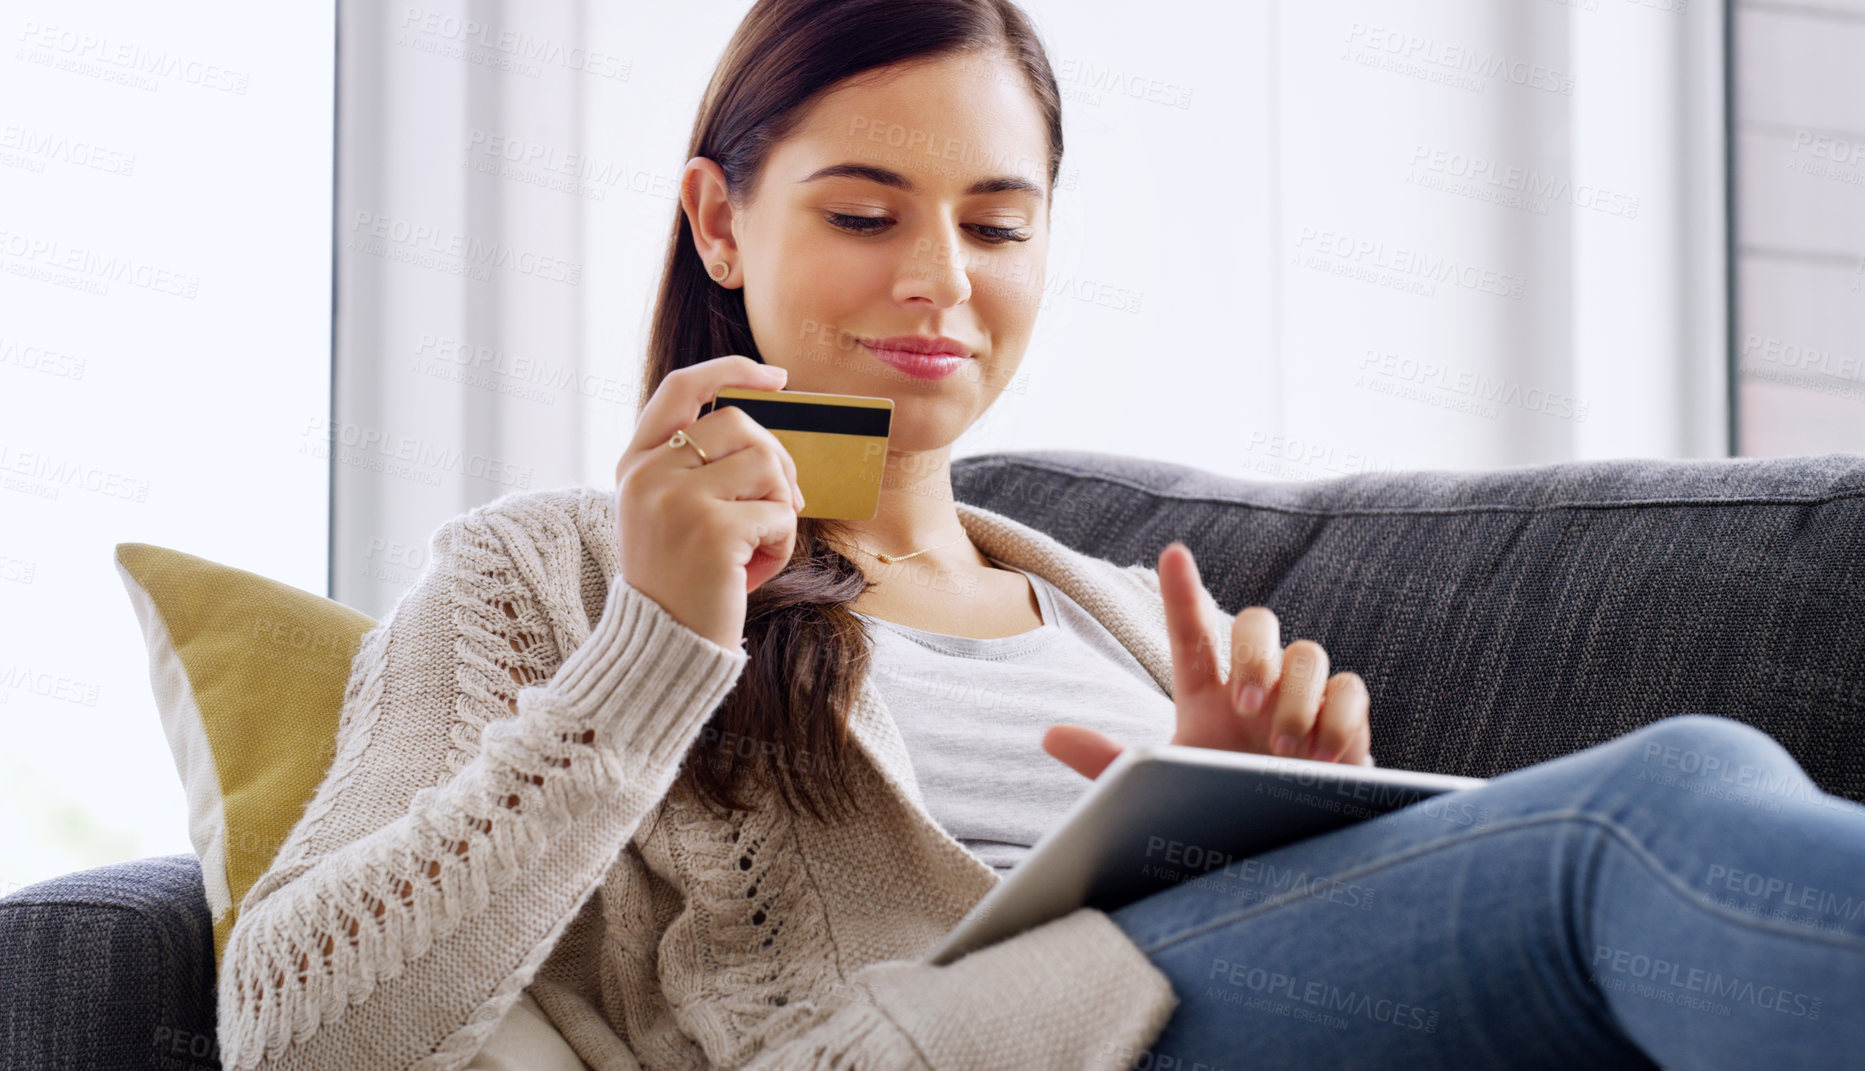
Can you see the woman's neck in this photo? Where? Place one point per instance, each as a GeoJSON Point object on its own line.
{"type": "Point", "coordinates": [916, 513]}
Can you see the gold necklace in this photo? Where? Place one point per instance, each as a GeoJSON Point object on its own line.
{"type": "Point", "coordinates": [892, 558]}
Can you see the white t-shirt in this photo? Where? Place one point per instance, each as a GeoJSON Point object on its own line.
{"type": "Point", "coordinates": [973, 712]}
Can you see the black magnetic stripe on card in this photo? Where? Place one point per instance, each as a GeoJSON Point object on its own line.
{"type": "Point", "coordinates": [812, 416]}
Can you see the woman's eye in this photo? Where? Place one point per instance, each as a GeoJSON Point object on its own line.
{"type": "Point", "coordinates": [1004, 234]}
{"type": "Point", "coordinates": [858, 224]}
{"type": "Point", "coordinates": [873, 224]}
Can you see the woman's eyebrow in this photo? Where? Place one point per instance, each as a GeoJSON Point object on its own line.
{"type": "Point", "coordinates": [998, 184]}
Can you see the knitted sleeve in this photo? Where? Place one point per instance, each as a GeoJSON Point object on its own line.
{"type": "Point", "coordinates": [483, 785]}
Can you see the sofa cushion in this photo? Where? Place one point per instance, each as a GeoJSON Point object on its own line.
{"type": "Point", "coordinates": [249, 677]}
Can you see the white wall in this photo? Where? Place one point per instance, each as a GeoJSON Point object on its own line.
{"type": "Point", "coordinates": [165, 181]}
{"type": "Point", "coordinates": [1388, 236]}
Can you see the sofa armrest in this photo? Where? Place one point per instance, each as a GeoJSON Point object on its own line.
{"type": "Point", "coordinates": [108, 968]}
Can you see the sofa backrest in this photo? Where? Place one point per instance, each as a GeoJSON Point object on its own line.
{"type": "Point", "coordinates": [1505, 617]}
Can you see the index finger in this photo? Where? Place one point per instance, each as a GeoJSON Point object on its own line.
{"type": "Point", "coordinates": [1194, 658]}
{"type": "Point", "coordinates": [676, 401]}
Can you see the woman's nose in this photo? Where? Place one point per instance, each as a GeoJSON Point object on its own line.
{"type": "Point", "coordinates": [936, 269]}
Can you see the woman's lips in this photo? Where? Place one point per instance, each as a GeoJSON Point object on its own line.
{"type": "Point", "coordinates": [919, 365]}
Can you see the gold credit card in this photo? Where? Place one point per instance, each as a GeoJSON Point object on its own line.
{"type": "Point", "coordinates": [838, 441]}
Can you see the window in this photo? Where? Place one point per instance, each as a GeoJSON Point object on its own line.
{"type": "Point", "coordinates": [1798, 156]}
{"type": "Point", "coordinates": [165, 265]}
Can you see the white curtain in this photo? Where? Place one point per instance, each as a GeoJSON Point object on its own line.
{"type": "Point", "coordinates": [1291, 241]}
{"type": "Point", "coordinates": [461, 279]}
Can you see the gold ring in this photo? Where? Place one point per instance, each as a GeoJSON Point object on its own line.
{"type": "Point", "coordinates": [681, 438]}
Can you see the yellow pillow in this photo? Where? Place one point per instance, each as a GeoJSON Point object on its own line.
{"type": "Point", "coordinates": [249, 677]}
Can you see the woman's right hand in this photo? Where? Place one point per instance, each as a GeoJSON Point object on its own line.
{"type": "Point", "coordinates": [699, 537]}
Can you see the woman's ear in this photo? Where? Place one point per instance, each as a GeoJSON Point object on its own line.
{"type": "Point", "coordinates": [709, 212]}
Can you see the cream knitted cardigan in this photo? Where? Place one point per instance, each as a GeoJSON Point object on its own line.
{"type": "Point", "coordinates": [501, 815]}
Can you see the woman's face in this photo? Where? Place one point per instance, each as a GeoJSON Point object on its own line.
{"type": "Point", "coordinates": [829, 260]}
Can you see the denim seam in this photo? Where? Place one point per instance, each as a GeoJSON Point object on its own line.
{"type": "Point", "coordinates": [1613, 828]}
{"type": "Point", "coordinates": [1704, 903]}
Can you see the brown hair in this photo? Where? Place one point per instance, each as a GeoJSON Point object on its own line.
{"type": "Point", "coordinates": [808, 652]}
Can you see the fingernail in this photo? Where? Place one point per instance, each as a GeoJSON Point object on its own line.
{"type": "Point", "coordinates": [799, 500]}
{"type": "Point", "coordinates": [1251, 698]}
{"type": "Point", "coordinates": [1284, 744]}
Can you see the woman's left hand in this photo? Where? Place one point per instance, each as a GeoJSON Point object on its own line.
{"type": "Point", "coordinates": [1276, 701]}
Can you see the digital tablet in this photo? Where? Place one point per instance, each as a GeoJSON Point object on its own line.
{"type": "Point", "coordinates": [1164, 813]}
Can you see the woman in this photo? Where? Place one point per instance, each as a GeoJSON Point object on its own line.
{"type": "Point", "coordinates": [619, 759]}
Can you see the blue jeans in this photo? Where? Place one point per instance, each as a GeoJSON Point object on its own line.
{"type": "Point", "coordinates": [1681, 897]}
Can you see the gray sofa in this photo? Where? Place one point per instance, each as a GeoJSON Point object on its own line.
{"type": "Point", "coordinates": [1499, 618]}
